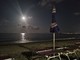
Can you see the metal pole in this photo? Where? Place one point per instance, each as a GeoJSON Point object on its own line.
{"type": "Point", "coordinates": [53, 44]}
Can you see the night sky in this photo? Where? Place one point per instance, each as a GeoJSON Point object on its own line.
{"type": "Point", "coordinates": [67, 16]}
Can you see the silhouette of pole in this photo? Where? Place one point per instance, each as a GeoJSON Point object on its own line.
{"type": "Point", "coordinates": [53, 9]}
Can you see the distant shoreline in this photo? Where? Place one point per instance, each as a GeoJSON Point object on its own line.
{"type": "Point", "coordinates": [73, 41]}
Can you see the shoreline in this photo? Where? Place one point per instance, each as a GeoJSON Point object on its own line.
{"type": "Point", "coordinates": [17, 48]}
{"type": "Point", "coordinates": [43, 44]}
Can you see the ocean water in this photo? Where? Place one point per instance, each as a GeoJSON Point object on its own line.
{"type": "Point", "coordinates": [21, 38]}
{"type": "Point", "coordinates": [33, 37]}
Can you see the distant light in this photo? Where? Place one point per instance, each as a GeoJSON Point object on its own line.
{"type": "Point", "coordinates": [23, 18]}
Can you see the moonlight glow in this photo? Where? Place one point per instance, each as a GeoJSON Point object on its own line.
{"type": "Point", "coordinates": [23, 18]}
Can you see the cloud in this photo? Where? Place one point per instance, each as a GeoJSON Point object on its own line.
{"type": "Point", "coordinates": [76, 13]}
{"type": "Point", "coordinates": [43, 2]}
{"type": "Point", "coordinates": [58, 1]}
{"type": "Point", "coordinates": [47, 2]}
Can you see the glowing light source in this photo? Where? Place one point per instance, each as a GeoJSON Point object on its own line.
{"type": "Point", "coordinates": [23, 18]}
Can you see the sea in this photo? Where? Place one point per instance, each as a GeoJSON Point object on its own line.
{"type": "Point", "coordinates": [34, 37]}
